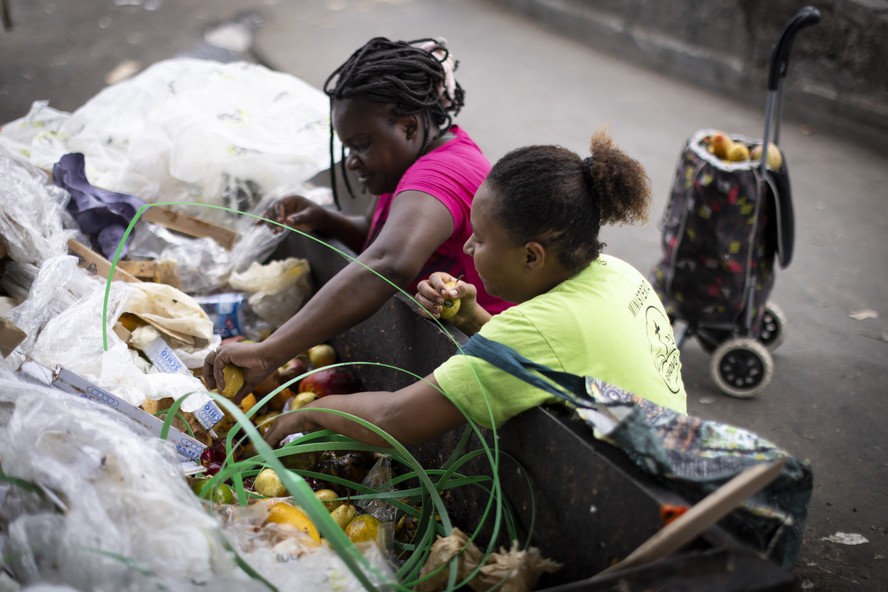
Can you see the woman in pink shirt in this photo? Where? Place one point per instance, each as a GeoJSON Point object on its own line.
{"type": "Point", "coordinates": [392, 104]}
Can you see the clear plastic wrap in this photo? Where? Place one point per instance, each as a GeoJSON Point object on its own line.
{"type": "Point", "coordinates": [127, 519]}
{"type": "Point", "coordinates": [276, 289]}
{"type": "Point", "coordinates": [18, 278]}
{"type": "Point", "coordinates": [190, 130]}
{"type": "Point", "coordinates": [74, 340]}
{"type": "Point", "coordinates": [54, 287]}
{"type": "Point", "coordinates": [117, 514]}
{"type": "Point", "coordinates": [202, 265]}
{"type": "Point", "coordinates": [31, 212]}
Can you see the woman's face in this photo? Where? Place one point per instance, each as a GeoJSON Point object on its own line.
{"type": "Point", "coordinates": [380, 146]}
{"type": "Point", "coordinates": [499, 261]}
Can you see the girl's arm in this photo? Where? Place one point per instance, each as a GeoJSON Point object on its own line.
{"type": "Point", "coordinates": [411, 415]}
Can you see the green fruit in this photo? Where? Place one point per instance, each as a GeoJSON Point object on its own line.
{"type": "Point", "coordinates": [222, 493]}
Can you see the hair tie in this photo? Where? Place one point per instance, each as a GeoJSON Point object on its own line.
{"type": "Point", "coordinates": [592, 188]}
{"type": "Point", "coordinates": [446, 89]}
{"type": "Point", "coordinates": [587, 174]}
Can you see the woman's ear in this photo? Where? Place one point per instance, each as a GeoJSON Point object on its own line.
{"type": "Point", "coordinates": [410, 125]}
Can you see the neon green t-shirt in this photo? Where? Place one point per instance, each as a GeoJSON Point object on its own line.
{"type": "Point", "coordinates": [605, 322]}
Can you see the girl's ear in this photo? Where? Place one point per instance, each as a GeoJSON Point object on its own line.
{"type": "Point", "coordinates": [534, 256]}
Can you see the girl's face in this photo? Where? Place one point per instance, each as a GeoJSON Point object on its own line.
{"type": "Point", "coordinates": [500, 263]}
{"type": "Point", "coordinates": [380, 147]}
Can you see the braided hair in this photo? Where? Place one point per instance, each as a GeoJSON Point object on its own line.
{"type": "Point", "coordinates": [411, 78]}
{"type": "Point", "coordinates": [550, 195]}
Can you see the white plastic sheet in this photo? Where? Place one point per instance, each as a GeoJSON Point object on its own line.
{"type": "Point", "coordinates": [189, 130]}
{"type": "Point", "coordinates": [116, 513]}
{"type": "Point", "coordinates": [31, 212]}
{"type": "Point", "coordinates": [277, 289]}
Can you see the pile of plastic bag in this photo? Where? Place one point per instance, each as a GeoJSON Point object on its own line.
{"type": "Point", "coordinates": [91, 501]}
{"type": "Point", "coordinates": [189, 130]}
{"type": "Point", "coordinates": [89, 498]}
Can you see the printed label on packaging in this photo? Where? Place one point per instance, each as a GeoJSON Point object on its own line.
{"type": "Point", "coordinates": [186, 446]}
{"type": "Point", "coordinates": [208, 415]}
{"type": "Point", "coordinates": [165, 359]}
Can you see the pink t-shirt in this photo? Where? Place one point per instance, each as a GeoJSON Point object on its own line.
{"type": "Point", "coordinates": [451, 173]}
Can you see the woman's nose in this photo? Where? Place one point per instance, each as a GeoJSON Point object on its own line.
{"type": "Point", "coordinates": [351, 161]}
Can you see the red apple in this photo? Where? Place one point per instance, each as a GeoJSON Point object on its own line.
{"type": "Point", "coordinates": [330, 381]}
{"type": "Point", "coordinates": [292, 369]}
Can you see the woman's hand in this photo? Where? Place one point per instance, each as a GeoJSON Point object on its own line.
{"type": "Point", "coordinates": [297, 212]}
{"type": "Point", "coordinates": [247, 356]}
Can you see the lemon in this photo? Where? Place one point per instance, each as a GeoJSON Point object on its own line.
{"type": "Point", "coordinates": [364, 527]}
{"type": "Point", "coordinates": [284, 513]}
{"type": "Point", "coordinates": [322, 355]}
{"type": "Point", "coordinates": [329, 497]}
{"type": "Point", "coordinates": [451, 305]}
{"type": "Point", "coordinates": [269, 484]}
{"type": "Point", "coordinates": [738, 153]}
{"type": "Point", "coordinates": [343, 515]}
{"type": "Point", "coordinates": [234, 380]}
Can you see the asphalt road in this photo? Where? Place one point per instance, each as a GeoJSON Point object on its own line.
{"type": "Point", "coordinates": [526, 84]}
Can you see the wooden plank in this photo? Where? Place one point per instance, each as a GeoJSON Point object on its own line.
{"type": "Point", "coordinates": [143, 270]}
{"type": "Point", "coordinates": [95, 264]}
{"type": "Point", "coordinates": [190, 225]}
{"type": "Point", "coordinates": [701, 516]}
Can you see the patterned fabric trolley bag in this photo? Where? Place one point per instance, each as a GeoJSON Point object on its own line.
{"type": "Point", "coordinates": [720, 234]}
{"type": "Point", "coordinates": [728, 217]}
{"type": "Point", "coordinates": [690, 455]}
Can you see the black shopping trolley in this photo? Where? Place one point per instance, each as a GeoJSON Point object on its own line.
{"type": "Point", "coordinates": [728, 220]}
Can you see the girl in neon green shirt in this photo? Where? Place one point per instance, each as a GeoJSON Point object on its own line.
{"type": "Point", "coordinates": [535, 223]}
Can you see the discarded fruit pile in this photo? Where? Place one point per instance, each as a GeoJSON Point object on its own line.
{"type": "Point", "coordinates": [358, 488]}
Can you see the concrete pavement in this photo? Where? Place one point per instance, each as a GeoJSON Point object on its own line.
{"type": "Point", "coordinates": [525, 84]}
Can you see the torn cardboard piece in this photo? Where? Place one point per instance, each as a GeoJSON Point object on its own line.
{"type": "Point", "coordinates": [187, 447]}
{"type": "Point", "coordinates": [10, 337]}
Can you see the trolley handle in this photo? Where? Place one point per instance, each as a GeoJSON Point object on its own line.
{"type": "Point", "coordinates": [805, 17]}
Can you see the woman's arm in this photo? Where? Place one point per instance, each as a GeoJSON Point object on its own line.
{"type": "Point", "coordinates": [303, 214]}
{"type": "Point", "coordinates": [417, 224]}
{"type": "Point", "coordinates": [411, 415]}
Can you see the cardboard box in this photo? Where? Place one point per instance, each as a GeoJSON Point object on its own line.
{"type": "Point", "coordinates": [189, 449]}
{"type": "Point", "coordinates": [10, 337]}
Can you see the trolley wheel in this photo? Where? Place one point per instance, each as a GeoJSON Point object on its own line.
{"type": "Point", "coordinates": [741, 367]}
{"type": "Point", "coordinates": [773, 331]}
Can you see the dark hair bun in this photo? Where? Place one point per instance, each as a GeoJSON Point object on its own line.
{"type": "Point", "coordinates": [620, 184]}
